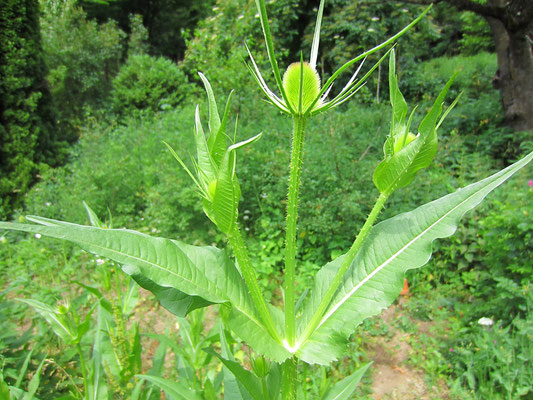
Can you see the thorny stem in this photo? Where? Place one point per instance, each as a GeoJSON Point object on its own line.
{"type": "Point", "coordinates": [299, 123]}
{"type": "Point", "coordinates": [241, 254]}
{"type": "Point", "coordinates": [348, 259]}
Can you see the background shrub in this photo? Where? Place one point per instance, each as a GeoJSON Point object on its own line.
{"type": "Point", "coordinates": [148, 83]}
{"type": "Point", "coordinates": [82, 56]}
{"type": "Point", "coordinates": [28, 133]}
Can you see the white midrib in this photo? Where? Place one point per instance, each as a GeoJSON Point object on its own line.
{"type": "Point", "coordinates": [389, 260]}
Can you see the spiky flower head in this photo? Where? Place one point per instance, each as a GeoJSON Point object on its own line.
{"type": "Point", "coordinates": [301, 80]}
{"type": "Point", "coordinates": [314, 97]}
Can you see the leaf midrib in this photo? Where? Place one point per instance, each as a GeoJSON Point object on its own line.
{"type": "Point", "coordinates": [388, 261]}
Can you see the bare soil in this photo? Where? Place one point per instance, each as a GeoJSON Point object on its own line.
{"type": "Point", "coordinates": [393, 378]}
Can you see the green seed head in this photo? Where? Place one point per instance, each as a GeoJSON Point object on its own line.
{"type": "Point", "coordinates": [401, 141]}
{"type": "Point", "coordinates": [310, 87]}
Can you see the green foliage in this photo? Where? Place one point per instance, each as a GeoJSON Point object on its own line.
{"type": "Point", "coordinates": [476, 34]}
{"type": "Point", "coordinates": [138, 37]}
{"type": "Point", "coordinates": [148, 83]}
{"type": "Point", "coordinates": [495, 233]}
{"type": "Point", "coordinates": [167, 21]}
{"type": "Point", "coordinates": [490, 362]}
{"type": "Point", "coordinates": [82, 56]}
{"type": "Point", "coordinates": [28, 133]}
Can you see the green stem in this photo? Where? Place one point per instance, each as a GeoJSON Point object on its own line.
{"type": "Point", "coordinates": [241, 254]}
{"type": "Point", "coordinates": [83, 369]}
{"type": "Point", "coordinates": [348, 259]}
{"type": "Point", "coordinates": [292, 217]}
{"type": "Point", "coordinates": [288, 376]}
{"type": "Point", "coordinates": [264, 387]}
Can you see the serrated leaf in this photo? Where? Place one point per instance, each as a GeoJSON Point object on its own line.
{"type": "Point", "coordinates": [205, 272]}
{"type": "Point", "coordinates": [375, 277]}
{"type": "Point", "coordinates": [199, 271]}
{"type": "Point", "coordinates": [343, 390]}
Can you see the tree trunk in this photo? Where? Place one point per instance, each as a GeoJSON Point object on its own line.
{"type": "Point", "coordinates": [514, 78]}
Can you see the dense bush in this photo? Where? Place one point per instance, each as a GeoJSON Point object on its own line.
{"type": "Point", "coordinates": [28, 135]}
{"type": "Point", "coordinates": [82, 56]}
{"type": "Point", "coordinates": [148, 83]}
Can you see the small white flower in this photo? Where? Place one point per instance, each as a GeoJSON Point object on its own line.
{"type": "Point", "coordinates": [246, 217]}
{"type": "Point", "coordinates": [240, 16]}
{"type": "Point", "coordinates": [375, 18]}
{"type": "Point", "coordinates": [3, 239]}
{"type": "Point", "coordinates": [99, 261]}
{"type": "Point", "coordinates": [371, 30]}
{"type": "Point", "coordinates": [485, 321]}
{"type": "Point", "coordinates": [47, 204]}
{"type": "Point", "coordinates": [37, 236]}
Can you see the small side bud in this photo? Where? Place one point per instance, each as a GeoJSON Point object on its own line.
{"type": "Point", "coordinates": [310, 86]}
{"type": "Point", "coordinates": [403, 140]}
{"type": "Point", "coordinates": [260, 366]}
{"type": "Point", "coordinates": [212, 188]}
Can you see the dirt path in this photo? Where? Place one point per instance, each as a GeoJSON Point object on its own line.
{"type": "Point", "coordinates": [393, 378]}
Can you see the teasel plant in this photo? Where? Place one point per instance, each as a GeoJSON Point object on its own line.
{"type": "Point", "coordinates": [354, 286]}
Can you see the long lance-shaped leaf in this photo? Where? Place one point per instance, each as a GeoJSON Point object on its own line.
{"type": "Point", "coordinates": [217, 142]}
{"type": "Point", "coordinates": [206, 167]}
{"type": "Point", "coordinates": [214, 118]}
{"type": "Point", "coordinates": [375, 276]}
{"type": "Point", "coordinates": [399, 105]}
{"type": "Point", "coordinates": [343, 390]}
{"type": "Point", "coordinates": [316, 36]}
{"type": "Point", "coordinates": [233, 389]}
{"type": "Point", "coordinates": [246, 378]}
{"type": "Point", "coordinates": [206, 272]}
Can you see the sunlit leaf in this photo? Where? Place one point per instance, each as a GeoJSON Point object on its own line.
{"type": "Point", "coordinates": [375, 277]}
{"type": "Point", "coordinates": [343, 390]}
{"type": "Point", "coordinates": [245, 377]}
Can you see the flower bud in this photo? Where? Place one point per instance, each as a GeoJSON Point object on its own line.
{"type": "Point", "coordinates": [310, 86]}
{"type": "Point", "coordinates": [260, 366]}
{"type": "Point", "coordinates": [403, 140]}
